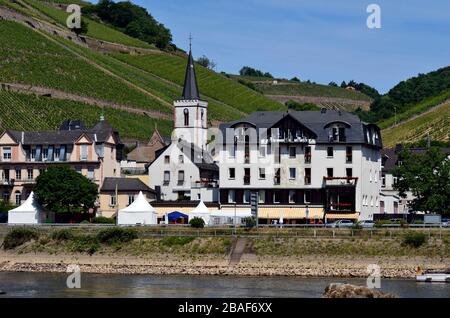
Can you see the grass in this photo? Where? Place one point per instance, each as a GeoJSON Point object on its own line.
{"type": "Point", "coordinates": [437, 122]}
{"type": "Point", "coordinates": [211, 84]}
{"type": "Point", "coordinates": [27, 57]}
{"type": "Point", "coordinates": [95, 29]}
{"type": "Point", "coordinates": [31, 112]}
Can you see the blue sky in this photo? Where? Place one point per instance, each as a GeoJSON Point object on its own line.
{"type": "Point", "coordinates": [318, 40]}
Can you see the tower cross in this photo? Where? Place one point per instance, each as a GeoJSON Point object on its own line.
{"type": "Point", "coordinates": [190, 41]}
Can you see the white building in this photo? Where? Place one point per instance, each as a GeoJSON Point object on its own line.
{"type": "Point", "coordinates": [184, 170]}
{"type": "Point", "coordinates": [309, 164]}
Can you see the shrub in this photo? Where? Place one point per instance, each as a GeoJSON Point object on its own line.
{"type": "Point", "coordinates": [85, 222]}
{"type": "Point", "coordinates": [250, 222]}
{"type": "Point", "coordinates": [85, 244]}
{"type": "Point", "coordinates": [103, 220]}
{"type": "Point", "coordinates": [197, 223]}
{"type": "Point", "coordinates": [414, 239]}
{"type": "Point", "coordinates": [177, 240]}
{"type": "Point", "coordinates": [62, 235]}
{"type": "Point", "coordinates": [116, 235]}
{"type": "Point", "coordinates": [19, 236]}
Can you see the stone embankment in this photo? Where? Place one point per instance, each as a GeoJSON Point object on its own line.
{"type": "Point", "coordinates": [351, 291]}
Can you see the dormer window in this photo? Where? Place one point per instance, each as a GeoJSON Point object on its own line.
{"type": "Point", "coordinates": [186, 117]}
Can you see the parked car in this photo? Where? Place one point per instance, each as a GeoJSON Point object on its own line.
{"type": "Point", "coordinates": [366, 224]}
{"type": "Point", "coordinates": [341, 224]}
{"type": "Point", "coordinates": [445, 222]}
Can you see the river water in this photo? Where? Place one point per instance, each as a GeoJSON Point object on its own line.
{"type": "Point", "coordinates": [107, 285]}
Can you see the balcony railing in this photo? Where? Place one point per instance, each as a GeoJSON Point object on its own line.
{"type": "Point", "coordinates": [340, 181]}
{"type": "Point", "coordinates": [340, 206]}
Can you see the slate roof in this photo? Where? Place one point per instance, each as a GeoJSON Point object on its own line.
{"type": "Point", "coordinates": [99, 133]}
{"type": "Point", "coordinates": [390, 156]}
{"type": "Point", "coordinates": [315, 121]}
{"type": "Point", "coordinates": [190, 87]}
{"type": "Point", "coordinates": [124, 185]}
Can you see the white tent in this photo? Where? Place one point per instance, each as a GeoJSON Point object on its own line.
{"type": "Point", "coordinates": [30, 212]}
{"type": "Point", "coordinates": [201, 211]}
{"type": "Point", "coordinates": [139, 212]}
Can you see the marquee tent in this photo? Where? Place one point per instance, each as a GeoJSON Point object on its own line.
{"type": "Point", "coordinates": [139, 212]}
{"type": "Point", "coordinates": [201, 211]}
{"type": "Point", "coordinates": [30, 212]}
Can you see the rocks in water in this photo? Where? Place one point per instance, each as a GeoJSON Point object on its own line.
{"type": "Point", "coordinates": [337, 290]}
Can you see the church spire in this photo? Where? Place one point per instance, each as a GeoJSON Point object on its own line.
{"type": "Point", "coordinates": [190, 88]}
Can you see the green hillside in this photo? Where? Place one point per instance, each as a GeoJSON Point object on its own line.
{"type": "Point", "coordinates": [435, 121]}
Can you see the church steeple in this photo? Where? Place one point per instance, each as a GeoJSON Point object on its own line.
{"type": "Point", "coordinates": [190, 88]}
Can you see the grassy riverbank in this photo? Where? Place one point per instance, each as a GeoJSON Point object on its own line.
{"type": "Point", "coordinates": [130, 252]}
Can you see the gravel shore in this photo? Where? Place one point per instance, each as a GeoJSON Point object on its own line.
{"type": "Point", "coordinates": [250, 265]}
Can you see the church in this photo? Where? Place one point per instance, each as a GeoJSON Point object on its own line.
{"type": "Point", "coordinates": [184, 170]}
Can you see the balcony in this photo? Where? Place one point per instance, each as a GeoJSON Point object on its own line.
{"type": "Point", "coordinates": [340, 181]}
{"type": "Point", "coordinates": [7, 182]}
{"type": "Point", "coordinates": [340, 207]}
{"type": "Point", "coordinates": [204, 183]}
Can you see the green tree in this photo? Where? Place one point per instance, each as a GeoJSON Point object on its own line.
{"type": "Point", "coordinates": [62, 189]}
{"type": "Point", "coordinates": [206, 62]}
{"type": "Point", "coordinates": [427, 176]}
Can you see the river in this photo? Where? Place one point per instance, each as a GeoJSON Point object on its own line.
{"type": "Point", "coordinates": [107, 285]}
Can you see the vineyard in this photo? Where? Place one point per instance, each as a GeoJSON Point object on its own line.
{"type": "Point", "coordinates": [436, 122]}
{"type": "Point", "coordinates": [213, 85]}
{"type": "Point", "coordinates": [29, 58]}
{"type": "Point", "coordinates": [30, 112]}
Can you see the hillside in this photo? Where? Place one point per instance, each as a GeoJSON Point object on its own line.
{"type": "Point", "coordinates": [435, 121]}
{"type": "Point", "coordinates": [305, 92]}
{"type": "Point", "coordinates": [104, 69]}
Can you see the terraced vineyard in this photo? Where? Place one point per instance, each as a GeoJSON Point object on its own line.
{"type": "Point", "coordinates": [436, 122]}
{"type": "Point", "coordinates": [29, 112]}
{"type": "Point", "coordinates": [27, 57]}
{"type": "Point", "coordinates": [172, 68]}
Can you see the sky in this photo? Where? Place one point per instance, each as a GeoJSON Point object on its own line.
{"type": "Point", "coordinates": [318, 40]}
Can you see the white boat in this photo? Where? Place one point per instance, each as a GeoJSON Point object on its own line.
{"type": "Point", "coordinates": [435, 276]}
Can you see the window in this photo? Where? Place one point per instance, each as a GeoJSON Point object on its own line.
{"type": "Point", "coordinates": [375, 176]}
{"type": "Point", "coordinates": [166, 159]}
{"type": "Point", "coordinates": [262, 196]}
{"type": "Point", "coordinates": [370, 175]}
{"type": "Point", "coordinates": [202, 115]}
{"type": "Point", "coordinates": [292, 173]}
{"type": "Point", "coordinates": [262, 151]}
{"type": "Point", "coordinates": [277, 177]}
{"type": "Point", "coordinates": [166, 177]}
{"type": "Point", "coordinates": [231, 196]}
{"type": "Point", "coordinates": [292, 152]}
{"type": "Point", "coordinates": [6, 196]}
{"type": "Point", "coordinates": [262, 173]}
{"type": "Point", "coordinates": [78, 169]}
{"type": "Point", "coordinates": [394, 180]}
{"type": "Point", "coordinates": [112, 200]}
{"type": "Point", "coordinates": [181, 159]}
{"type": "Point", "coordinates": [5, 175]}
{"type": "Point", "coordinates": [307, 175]}
{"type": "Point", "coordinates": [307, 196]}
{"type": "Point", "coordinates": [246, 196]}
{"type": "Point", "coordinates": [349, 172]}
{"type": "Point", "coordinates": [246, 175]}
{"type": "Point", "coordinates": [186, 117]}
{"type": "Point", "coordinates": [231, 173]}
{"type": "Point", "coordinates": [18, 174]}
{"type": "Point", "coordinates": [291, 196]}
{"type": "Point", "coordinates": [7, 153]}
{"type": "Point", "coordinates": [84, 152]}
{"type": "Point", "coordinates": [383, 180]}
{"type": "Point", "coordinates": [371, 200]}
{"type": "Point", "coordinates": [30, 174]}
{"type": "Point", "coordinates": [44, 154]}
{"type": "Point", "coordinates": [90, 174]}
{"type": "Point", "coordinates": [233, 149]}
{"type": "Point", "coordinates": [277, 196]}
{"type": "Point", "coordinates": [330, 152]}
{"type": "Point", "coordinates": [181, 177]}
{"type": "Point", "coordinates": [330, 172]}
{"type": "Point", "coordinates": [33, 154]}
{"type": "Point", "coordinates": [308, 154]}
{"type": "Point", "coordinates": [130, 199]}
{"type": "Point", "coordinates": [18, 198]}
{"type": "Point", "coordinates": [376, 201]}
{"type": "Point", "coordinates": [341, 134]}
{"type": "Point", "coordinates": [349, 154]}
